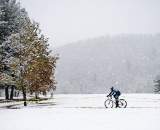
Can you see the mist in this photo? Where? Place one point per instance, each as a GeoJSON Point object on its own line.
{"type": "Point", "coordinates": [66, 21]}
{"type": "Point", "coordinates": [91, 32]}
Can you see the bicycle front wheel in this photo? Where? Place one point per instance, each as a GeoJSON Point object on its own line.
{"type": "Point", "coordinates": [122, 103]}
{"type": "Point", "coordinates": [108, 103]}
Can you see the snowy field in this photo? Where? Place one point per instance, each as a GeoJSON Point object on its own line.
{"type": "Point", "coordinates": [84, 112]}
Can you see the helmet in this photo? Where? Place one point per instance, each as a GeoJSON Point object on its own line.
{"type": "Point", "coordinates": [112, 88]}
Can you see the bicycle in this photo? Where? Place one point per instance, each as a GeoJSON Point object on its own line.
{"type": "Point", "coordinates": [111, 103]}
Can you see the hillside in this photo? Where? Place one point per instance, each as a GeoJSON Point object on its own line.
{"type": "Point", "coordinates": [93, 65]}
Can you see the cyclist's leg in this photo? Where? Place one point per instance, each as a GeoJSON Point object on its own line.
{"type": "Point", "coordinates": [117, 101]}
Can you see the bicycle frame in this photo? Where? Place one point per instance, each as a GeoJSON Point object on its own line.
{"type": "Point", "coordinates": [111, 98]}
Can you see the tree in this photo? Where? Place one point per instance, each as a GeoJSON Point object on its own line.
{"type": "Point", "coordinates": [30, 59]}
{"type": "Point", "coordinates": [157, 86]}
{"type": "Point", "coordinates": [11, 19]}
{"type": "Point", "coordinates": [40, 75]}
{"type": "Point", "coordinates": [21, 46]}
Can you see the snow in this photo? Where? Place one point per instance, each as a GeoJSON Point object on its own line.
{"type": "Point", "coordinates": [85, 112]}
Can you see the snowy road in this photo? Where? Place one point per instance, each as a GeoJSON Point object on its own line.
{"type": "Point", "coordinates": [85, 112]}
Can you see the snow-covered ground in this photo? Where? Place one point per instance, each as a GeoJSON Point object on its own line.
{"type": "Point", "coordinates": [84, 112]}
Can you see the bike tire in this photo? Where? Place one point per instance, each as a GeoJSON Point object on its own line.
{"type": "Point", "coordinates": [108, 103]}
{"type": "Point", "coordinates": [122, 103]}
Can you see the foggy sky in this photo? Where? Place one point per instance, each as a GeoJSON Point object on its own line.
{"type": "Point", "coordinates": [65, 21]}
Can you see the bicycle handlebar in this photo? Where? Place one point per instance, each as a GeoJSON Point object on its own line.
{"type": "Point", "coordinates": [109, 96]}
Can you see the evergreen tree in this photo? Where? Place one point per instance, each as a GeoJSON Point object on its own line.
{"type": "Point", "coordinates": [11, 20]}
{"type": "Point", "coordinates": [157, 86]}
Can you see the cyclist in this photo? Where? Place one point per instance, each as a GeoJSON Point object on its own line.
{"type": "Point", "coordinates": [115, 93]}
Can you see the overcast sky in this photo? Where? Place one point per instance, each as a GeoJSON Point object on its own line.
{"type": "Point", "coordinates": [65, 21]}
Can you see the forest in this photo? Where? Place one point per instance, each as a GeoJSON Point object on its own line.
{"type": "Point", "coordinates": [130, 62]}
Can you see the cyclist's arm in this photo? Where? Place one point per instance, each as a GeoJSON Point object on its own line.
{"type": "Point", "coordinates": [110, 94]}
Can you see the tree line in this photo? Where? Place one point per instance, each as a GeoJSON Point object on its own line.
{"type": "Point", "coordinates": [26, 63]}
{"type": "Point", "coordinates": [96, 64]}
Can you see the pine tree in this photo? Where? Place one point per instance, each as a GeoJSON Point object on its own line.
{"type": "Point", "coordinates": [11, 20]}
{"type": "Point", "coordinates": [157, 86]}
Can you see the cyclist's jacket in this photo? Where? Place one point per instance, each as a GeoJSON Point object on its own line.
{"type": "Point", "coordinates": [115, 93]}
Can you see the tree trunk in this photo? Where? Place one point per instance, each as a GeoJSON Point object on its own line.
{"type": "Point", "coordinates": [7, 92]}
{"type": "Point", "coordinates": [36, 95]}
{"type": "Point", "coordinates": [24, 96]}
{"type": "Point", "coordinates": [12, 92]}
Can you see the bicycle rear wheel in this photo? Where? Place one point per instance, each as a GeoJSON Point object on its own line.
{"type": "Point", "coordinates": [122, 103]}
{"type": "Point", "coordinates": [108, 103]}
